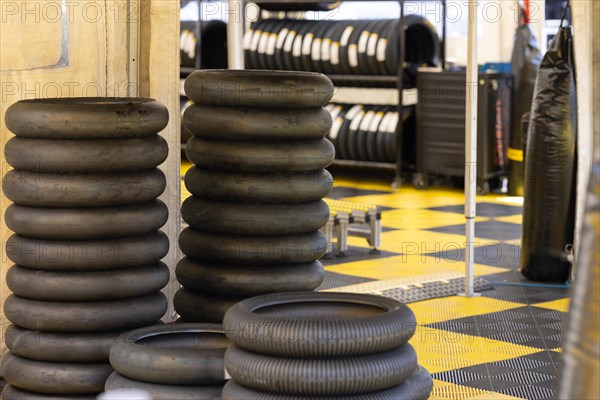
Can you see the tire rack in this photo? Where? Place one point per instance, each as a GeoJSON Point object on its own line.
{"type": "Point", "coordinates": [397, 81]}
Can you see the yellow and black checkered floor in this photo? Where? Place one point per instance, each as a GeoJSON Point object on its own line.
{"type": "Point", "coordinates": [502, 345]}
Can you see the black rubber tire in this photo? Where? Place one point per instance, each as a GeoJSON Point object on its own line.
{"type": "Point", "coordinates": [87, 255]}
{"type": "Point", "coordinates": [325, 324]}
{"type": "Point", "coordinates": [245, 123]}
{"type": "Point", "coordinates": [259, 188]}
{"type": "Point", "coordinates": [60, 347]}
{"type": "Point", "coordinates": [86, 223]}
{"type": "Point", "coordinates": [256, 88]}
{"type": "Point", "coordinates": [83, 190]}
{"type": "Point", "coordinates": [98, 316]}
{"type": "Point", "coordinates": [254, 219]}
{"type": "Point", "coordinates": [55, 378]}
{"type": "Point", "coordinates": [87, 286]}
{"type": "Point", "coordinates": [248, 281]}
{"type": "Point", "coordinates": [86, 156]}
{"type": "Point", "coordinates": [165, 392]}
{"type": "Point", "coordinates": [261, 157]}
{"type": "Point", "coordinates": [12, 393]}
{"type": "Point", "coordinates": [86, 118]}
{"type": "Point", "coordinates": [321, 377]}
{"type": "Point", "coordinates": [176, 354]}
{"type": "Point", "coordinates": [417, 387]}
{"type": "Point", "coordinates": [372, 136]}
{"type": "Point", "coordinates": [252, 250]}
{"type": "Point", "coordinates": [200, 307]}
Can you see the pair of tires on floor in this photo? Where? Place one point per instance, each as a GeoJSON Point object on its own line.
{"type": "Point", "coordinates": [256, 210]}
{"type": "Point", "coordinates": [322, 345]}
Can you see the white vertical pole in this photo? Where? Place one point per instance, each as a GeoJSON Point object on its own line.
{"type": "Point", "coordinates": [235, 34]}
{"type": "Point", "coordinates": [471, 147]}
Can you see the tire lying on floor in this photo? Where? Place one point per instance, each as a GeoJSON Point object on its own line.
{"type": "Point", "coordinates": [55, 378]}
{"type": "Point", "coordinates": [371, 324]}
{"type": "Point", "coordinates": [248, 280]}
{"type": "Point", "coordinates": [417, 387]}
{"type": "Point", "coordinates": [173, 354]}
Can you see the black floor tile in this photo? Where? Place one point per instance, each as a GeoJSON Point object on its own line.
{"type": "Point", "coordinates": [484, 209]}
{"type": "Point", "coordinates": [501, 255]}
{"type": "Point", "coordinates": [521, 294]}
{"type": "Point", "coordinates": [494, 230]}
{"type": "Point", "coordinates": [335, 280]}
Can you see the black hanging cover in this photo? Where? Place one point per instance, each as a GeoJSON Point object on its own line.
{"type": "Point", "coordinates": [526, 59]}
{"type": "Point", "coordinates": [549, 205]}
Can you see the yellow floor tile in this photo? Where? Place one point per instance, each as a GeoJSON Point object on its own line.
{"type": "Point", "coordinates": [409, 198]}
{"type": "Point", "coordinates": [450, 391]}
{"type": "Point", "coordinates": [422, 219]}
{"type": "Point", "coordinates": [513, 219]}
{"type": "Point", "coordinates": [404, 266]}
{"type": "Point", "coordinates": [447, 308]}
{"type": "Point", "coordinates": [362, 184]}
{"type": "Point", "coordinates": [440, 350]}
{"type": "Point", "coordinates": [415, 241]}
{"type": "Point", "coordinates": [557, 305]}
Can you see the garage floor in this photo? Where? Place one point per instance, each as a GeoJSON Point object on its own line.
{"type": "Point", "coordinates": [505, 344]}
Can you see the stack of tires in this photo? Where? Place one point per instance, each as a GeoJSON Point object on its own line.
{"type": "Point", "coordinates": [254, 216]}
{"type": "Point", "coordinates": [322, 345]}
{"type": "Point", "coordinates": [86, 246]}
{"type": "Point", "coordinates": [369, 133]}
{"type": "Point", "coordinates": [171, 362]}
{"type": "Point", "coordinates": [354, 47]}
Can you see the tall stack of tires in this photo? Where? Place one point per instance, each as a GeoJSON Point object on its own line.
{"type": "Point", "coordinates": [259, 156]}
{"type": "Point", "coordinates": [86, 247]}
{"type": "Point", "coordinates": [369, 133]}
{"type": "Point", "coordinates": [171, 362]}
{"type": "Point", "coordinates": [354, 47]}
{"type": "Point", "coordinates": [322, 345]}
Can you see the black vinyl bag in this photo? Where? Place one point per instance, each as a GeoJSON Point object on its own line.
{"type": "Point", "coordinates": [526, 59]}
{"type": "Point", "coordinates": [550, 166]}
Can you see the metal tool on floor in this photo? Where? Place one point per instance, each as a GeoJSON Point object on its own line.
{"type": "Point", "coordinates": [352, 219]}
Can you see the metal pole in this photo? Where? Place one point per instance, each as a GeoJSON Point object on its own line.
{"type": "Point", "coordinates": [235, 33]}
{"type": "Point", "coordinates": [471, 148]}
{"type": "Point", "coordinates": [400, 85]}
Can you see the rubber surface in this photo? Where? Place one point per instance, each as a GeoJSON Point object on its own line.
{"type": "Point", "coordinates": [248, 123]}
{"type": "Point", "coordinates": [165, 392]}
{"type": "Point", "coordinates": [254, 219]}
{"type": "Point", "coordinates": [217, 279]}
{"type": "Point", "coordinates": [321, 377]}
{"type": "Point", "coordinates": [199, 307]}
{"type": "Point", "coordinates": [86, 223]}
{"type": "Point", "coordinates": [324, 324]}
{"type": "Point", "coordinates": [12, 393]}
{"type": "Point", "coordinates": [87, 286]}
{"type": "Point", "coordinates": [86, 156]}
{"type": "Point", "coordinates": [173, 354]}
{"type": "Point", "coordinates": [87, 255]}
{"type": "Point", "coordinates": [98, 316]}
{"type": "Point", "coordinates": [60, 347]}
{"type": "Point", "coordinates": [83, 190]}
{"type": "Point", "coordinates": [261, 157]}
{"type": "Point", "coordinates": [256, 88]}
{"type": "Point", "coordinates": [55, 378]}
{"type": "Point", "coordinates": [86, 118]}
{"type": "Point", "coordinates": [417, 387]}
{"type": "Point", "coordinates": [259, 188]}
{"type": "Point", "coordinates": [252, 250]}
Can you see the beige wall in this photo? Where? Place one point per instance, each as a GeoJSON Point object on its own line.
{"type": "Point", "coordinates": [93, 49]}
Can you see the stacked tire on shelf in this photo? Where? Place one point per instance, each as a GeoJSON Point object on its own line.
{"type": "Point", "coordinates": [86, 246]}
{"type": "Point", "coordinates": [369, 133]}
{"type": "Point", "coordinates": [293, 346]}
{"type": "Point", "coordinates": [174, 361]}
{"type": "Point", "coordinates": [354, 47]}
{"type": "Point", "coordinates": [254, 216]}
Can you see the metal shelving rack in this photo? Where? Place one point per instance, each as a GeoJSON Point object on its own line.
{"type": "Point", "coordinates": [341, 81]}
